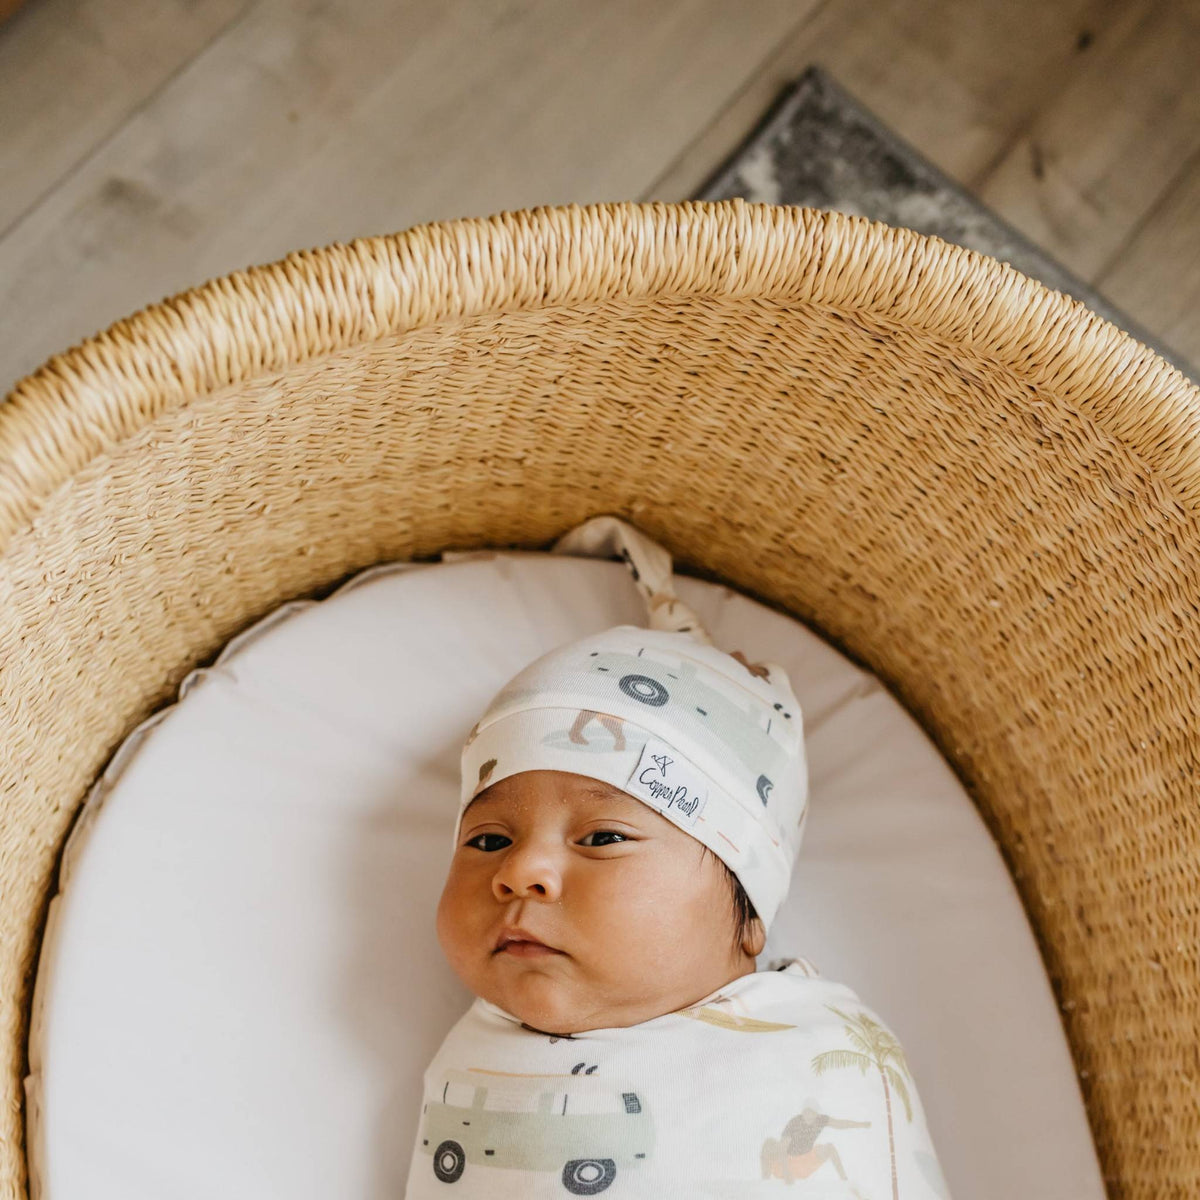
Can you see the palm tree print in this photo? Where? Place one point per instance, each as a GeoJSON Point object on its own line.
{"type": "Point", "coordinates": [875, 1047]}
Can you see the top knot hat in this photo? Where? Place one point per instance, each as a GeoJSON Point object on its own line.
{"type": "Point", "coordinates": [711, 741]}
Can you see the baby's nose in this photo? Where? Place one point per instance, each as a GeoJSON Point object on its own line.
{"type": "Point", "coordinates": [527, 872]}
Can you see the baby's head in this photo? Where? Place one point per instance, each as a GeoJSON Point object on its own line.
{"type": "Point", "coordinates": [633, 801]}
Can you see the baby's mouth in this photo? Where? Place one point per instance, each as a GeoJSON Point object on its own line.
{"type": "Point", "coordinates": [526, 949]}
{"type": "Point", "coordinates": [522, 945]}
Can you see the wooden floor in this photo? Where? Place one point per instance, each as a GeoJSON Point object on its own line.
{"type": "Point", "coordinates": [148, 145]}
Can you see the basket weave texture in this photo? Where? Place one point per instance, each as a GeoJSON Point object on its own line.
{"type": "Point", "coordinates": [972, 485]}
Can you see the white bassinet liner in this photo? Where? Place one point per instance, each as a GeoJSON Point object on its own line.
{"type": "Point", "coordinates": [240, 984]}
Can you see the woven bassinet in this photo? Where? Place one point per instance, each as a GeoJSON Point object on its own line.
{"type": "Point", "coordinates": [971, 484]}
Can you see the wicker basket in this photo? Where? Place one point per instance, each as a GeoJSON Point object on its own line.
{"type": "Point", "coordinates": [971, 484]}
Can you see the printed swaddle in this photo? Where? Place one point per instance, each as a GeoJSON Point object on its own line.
{"type": "Point", "coordinates": [778, 1083]}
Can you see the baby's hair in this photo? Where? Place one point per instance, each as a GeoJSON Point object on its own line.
{"type": "Point", "coordinates": [743, 910]}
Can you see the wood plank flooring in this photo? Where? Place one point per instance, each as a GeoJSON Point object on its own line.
{"type": "Point", "coordinates": [148, 145]}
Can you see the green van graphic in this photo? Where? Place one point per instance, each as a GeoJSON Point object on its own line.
{"type": "Point", "coordinates": [584, 1127]}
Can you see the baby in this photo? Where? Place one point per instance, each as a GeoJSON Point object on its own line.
{"type": "Point", "coordinates": [632, 805]}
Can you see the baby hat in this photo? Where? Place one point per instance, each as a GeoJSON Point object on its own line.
{"type": "Point", "coordinates": [712, 742]}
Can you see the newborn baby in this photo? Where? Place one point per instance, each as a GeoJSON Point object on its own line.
{"type": "Point", "coordinates": [631, 808]}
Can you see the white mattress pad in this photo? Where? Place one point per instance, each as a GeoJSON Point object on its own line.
{"type": "Point", "coordinates": [241, 986]}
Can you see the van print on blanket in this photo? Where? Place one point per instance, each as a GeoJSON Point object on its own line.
{"type": "Point", "coordinates": [582, 1128]}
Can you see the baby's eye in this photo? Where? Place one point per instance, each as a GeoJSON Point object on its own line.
{"type": "Point", "coordinates": [487, 849]}
{"type": "Point", "coordinates": [604, 833]}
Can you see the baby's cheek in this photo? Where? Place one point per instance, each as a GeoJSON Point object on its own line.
{"type": "Point", "coordinates": [695, 919]}
{"type": "Point", "coordinates": [453, 923]}
{"type": "Point", "coordinates": [643, 923]}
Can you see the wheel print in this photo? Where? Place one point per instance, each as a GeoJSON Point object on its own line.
{"type": "Point", "coordinates": [587, 1176]}
{"type": "Point", "coordinates": [449, 1161]}
{"type": "Point", "coordinates": [643, 688]}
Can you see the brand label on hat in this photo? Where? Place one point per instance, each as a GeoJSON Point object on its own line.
{"type": "Point", "coordinates": [668, 782]}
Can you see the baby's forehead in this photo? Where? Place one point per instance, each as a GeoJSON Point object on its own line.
{"type": "Point", "coordinates": [584, 791]}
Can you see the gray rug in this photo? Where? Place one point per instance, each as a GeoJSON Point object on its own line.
{"type": "Point", "coordinates": [819, 147]}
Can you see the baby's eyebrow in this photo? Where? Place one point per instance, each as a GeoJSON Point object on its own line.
{"type": "Point", "coordinates": [604, 792]}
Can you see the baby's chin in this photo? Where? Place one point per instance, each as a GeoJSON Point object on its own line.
{"type": "Point", "coordinates": [541, 1000]}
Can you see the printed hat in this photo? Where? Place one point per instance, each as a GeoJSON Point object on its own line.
{"type": "Point", "coordinates": [712, 742]}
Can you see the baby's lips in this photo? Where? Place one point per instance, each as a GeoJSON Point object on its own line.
{"type": "Point", "coordinates": [512, 934]}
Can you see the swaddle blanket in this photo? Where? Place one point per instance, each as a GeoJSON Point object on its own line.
{"type": "Point", "coordinates": [778, 1083]}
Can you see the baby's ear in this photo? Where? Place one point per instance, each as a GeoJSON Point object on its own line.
{"type": "Point", "coordinates": [755, 938]}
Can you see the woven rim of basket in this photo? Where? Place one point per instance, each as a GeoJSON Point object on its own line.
{"type": "Point", "coordinates": [256, 322]}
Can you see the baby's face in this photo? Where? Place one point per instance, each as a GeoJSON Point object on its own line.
{"type": "Point", "coordinates": [638, 920]}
